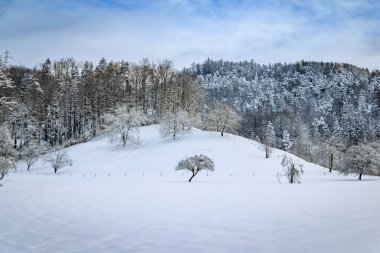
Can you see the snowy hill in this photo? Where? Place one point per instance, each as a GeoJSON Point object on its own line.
{"type": "Point", "coordinates": [232, 154]}
{"type": "Point", "coordinates": [131, 199]}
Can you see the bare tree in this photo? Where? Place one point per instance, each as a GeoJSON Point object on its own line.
{"type": "Point", "coordinates": [7, 153]}
{"type": "Point", "coordinates": [269, 139]}
{"type": "Point", "coordinates": [222, 117]}
{"type": "Point", "coordinates": [190, 92]}
{"type": "Point", "coordinates": [196, 163]}
{"type": "Point", "coordinates": [58, 159]}
{"type": "Point", "coordinates": [123, 125]}
{"type": "Point", "coordinates": [292, 170]}
{"type": "Point", "coordinates": [31, 153]}
{"type": "Point", "coordinates": [360, 159]}
{"type": "Point", "coordinates": [176, 123]}
{"type": "Point", "coordinates": [5, 165]}
{"type": "Point", "coordinates": [333, 147]}
{"type": "Point", "coordinates": [268, 149]}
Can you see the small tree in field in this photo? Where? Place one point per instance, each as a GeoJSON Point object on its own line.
{"type": "Point", "coordinates": [196, 163]}
{"type": "Point", "coordinates": [176, 123]}
{"type": "Point", "coordinates": [332, 147]}
{"type": "Point", "coordinates": [7, 153]}
{"type": "Point", "coordinates": [361, 160]}
{"type": "Point", "coordinates": [5, 166]}
{"type": "Point", "coordinates": [292, 170]}
{"type": "Point", "coordinates": [269, 139]}
{"type": "Point", "coordinates": [222, 117]}
{"type": "Point", "coordinates": [58, 159]}
{"type": "Point", "coordinates": [123, 125]}
{"type": "Point", "coordinates": [267, 147]}
{"type": "Point", "coordinates": [32, 153]}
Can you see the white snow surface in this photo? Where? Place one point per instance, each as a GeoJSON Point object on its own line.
{"type": "Point", "coordinates": [131, 199]}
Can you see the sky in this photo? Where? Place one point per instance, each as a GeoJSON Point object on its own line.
{"type": "Point", "coordinates": [186, 31]}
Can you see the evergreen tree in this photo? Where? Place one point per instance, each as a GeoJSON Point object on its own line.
{"type": "Point", "coordinates": [286, 143]}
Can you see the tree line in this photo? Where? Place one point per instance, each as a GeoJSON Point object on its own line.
{"type": "Point", "coordinates": [65, 101]}
{"type": "Point", "coordinates": [314, 110]}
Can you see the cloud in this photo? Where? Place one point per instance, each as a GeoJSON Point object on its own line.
{"type": "Point", "coordinates": [190, 31]}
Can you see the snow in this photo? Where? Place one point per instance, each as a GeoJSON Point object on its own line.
{"type": "Point", "coordinates": [131, 199]}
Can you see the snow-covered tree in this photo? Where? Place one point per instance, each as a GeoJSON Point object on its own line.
{"type": "Point", "coordinates": [302, 140]}
{"type": "Point", "coordinates": [5, 84]}
{"type": "Point", "coordinates": [22, 125]}
{"type": "Point", "coordinates": [292, 170]}
{"type": "Point", "coordinates": [286, 142]}
{"type": "Point", "coordinates": [332, 147]}
{"type": "Point", "coordinates": [196, 163]}
{"type": "Point", "coordinates": [176, 123]}
{"type": "Point", "coordinates": [7, 153]}
{"type": "Point", "coordinates": [5, 165]}
{"type": "Point", "coordinates": [222, 117]}
{"type": "Point", "coordinates": [269, 139]}
{"type": "Point", "coordinates": [123, 125]}
{"type": "Point", "coordinates": [360, 159]}
{"type": "Point", "coordinates": [31, 153]}
{"type": "Point", "coordinates": [58, 159]}
{"type": "Point", "coordinates": [29, 88]}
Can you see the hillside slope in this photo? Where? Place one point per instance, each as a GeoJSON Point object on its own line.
{"type": "Point", "coordinates": [130, 199]}
{"type": "Point", "coordinates": [234, 156]}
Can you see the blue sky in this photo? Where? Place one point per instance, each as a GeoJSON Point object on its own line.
{"type": "Point", "coordinates": [187, 31]}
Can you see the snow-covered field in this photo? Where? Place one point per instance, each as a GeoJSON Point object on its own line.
{"type": "Point", "coordinates": [130, 199]}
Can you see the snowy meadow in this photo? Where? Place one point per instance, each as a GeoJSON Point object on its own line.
{"type": "Point", "coordinates": [131, 199]}
{"type": "Point", "coordinates": [187, 126]}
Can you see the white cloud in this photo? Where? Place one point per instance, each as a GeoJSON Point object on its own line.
{"type": "Point", "coordinates": [186, 33]}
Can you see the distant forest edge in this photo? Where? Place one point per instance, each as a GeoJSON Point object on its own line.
{"type": "Point", "coordinates": [305, 105]}
{"type": "Point", "coordinates": [313, 101]}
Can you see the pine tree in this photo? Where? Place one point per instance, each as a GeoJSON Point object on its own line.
{"type": "Point", "coordinates": [286, 143]}
{"type": "Point", "coordinates": [5, 84]}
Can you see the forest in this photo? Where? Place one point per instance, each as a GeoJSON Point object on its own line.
{"type": "Point", "coordinates": [318, 106]}
{"type": "Point", "coordinates": [315, 110]}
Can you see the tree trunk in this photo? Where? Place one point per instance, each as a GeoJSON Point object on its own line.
{"type": "Point", "coordinates": [28, 167]}
{"type": "Point", "coordinates": [360, 176]}
{"type": "Point", "coordinates": [222, 131]}
{"type": "Point", "coordinates": [331, 162]}
{"type": "Point", "coordinates": [194, 174]}
{"type": "Point", "coordinates": [124, 140]}
{"type": "Point", "coordinates": [292, 172]}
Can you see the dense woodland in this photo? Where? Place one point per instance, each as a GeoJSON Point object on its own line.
{"type": "Point", "coordinates": [315, 105]}
{"type": "Point", "coordinates": [315, 110]}
{"type": "Point", "coordinates": [65, 101]}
